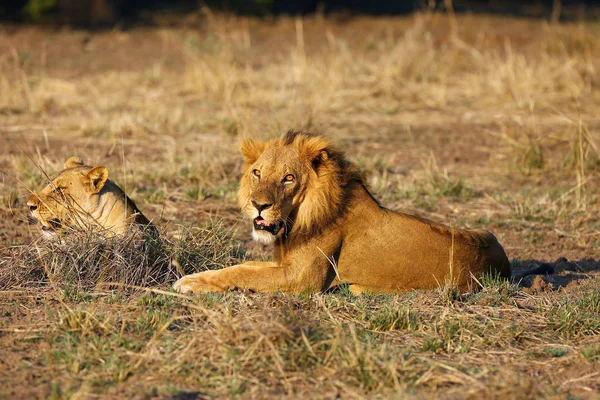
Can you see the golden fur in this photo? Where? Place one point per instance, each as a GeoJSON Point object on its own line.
{"type": "Point", "coordinates": [82, 197]}
{"type": "Point", "coordinates": [307, 199]}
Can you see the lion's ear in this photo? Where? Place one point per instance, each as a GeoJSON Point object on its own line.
{"type": "Point", "coordinates": [251, 150]}
{"type": "Point", "coordinates": [73, 162]}
{"type": "Point", "coordinates": [97, 177]}
{"type": "Point", "coordinates": [317, 160]}
{"type": "Point", "coordinates": [323, 155]}
{"type": "Point", "coordinates": [316, 150]}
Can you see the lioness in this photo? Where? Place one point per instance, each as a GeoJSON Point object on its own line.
{"type": "Point", "coordinates": [81, 196]}
{"type": "Point", "coordinates": [304, 196]}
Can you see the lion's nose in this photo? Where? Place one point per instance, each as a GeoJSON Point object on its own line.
{"type": "Point", "coordinates": [260, 207]}
{"type": "Point", "coordinates": [32, 205]}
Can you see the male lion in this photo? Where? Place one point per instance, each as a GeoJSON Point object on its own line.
{"type": "Point", "coordinates": [304, 196]}
{"type": "Point", "coordinates": [82, 197]}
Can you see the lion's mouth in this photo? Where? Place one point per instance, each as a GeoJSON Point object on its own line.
{"type": "Point", "coordinates": [261, 225]}
{"type": "Point", "coordinates": [53, 224]}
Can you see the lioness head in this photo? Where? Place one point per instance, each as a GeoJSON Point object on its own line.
{"type": "Point", "coordinates": [72, 197]}
{"type": "Point", "coordinates": [291, 184]}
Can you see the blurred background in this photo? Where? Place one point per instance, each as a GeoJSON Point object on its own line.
{"type": "Point", "coordinates": [94, 13]}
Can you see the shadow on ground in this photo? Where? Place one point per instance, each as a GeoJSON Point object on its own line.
{"type": "Point", "coordinates": [190, 396]}
{"type": "Point", "coordinates": [538, 276]}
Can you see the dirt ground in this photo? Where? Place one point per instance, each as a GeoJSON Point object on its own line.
{"type": "Point", "coordinates": [484, 122]}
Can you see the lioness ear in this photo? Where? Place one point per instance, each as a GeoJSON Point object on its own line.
{"type": "Point", "coordinates": [251, 150]}
{"type": "Point", "coordinates": [97, 177]}
{"type": "Point", "coordinates": [73, 162]}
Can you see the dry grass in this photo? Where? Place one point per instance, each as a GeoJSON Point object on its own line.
{"type": "Point", "coordinates": [84, 260]}
{"type": "Point", "coordinates": [492, 126]}
{"type": "Point", "coordinates": [158, 343]}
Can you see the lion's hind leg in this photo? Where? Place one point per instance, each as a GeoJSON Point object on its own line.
{"type": "Point", "coordinates": [357, 289]}
{"type": "Point", "coordinates": [360, 289]}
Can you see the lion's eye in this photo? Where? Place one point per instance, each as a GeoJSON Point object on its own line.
{"type": "Point", "coordinates": [60, 191]}
{"type": "Point", "coordinates": [289, 178]}
{"type": "Point", "coordinates": [256, 173]}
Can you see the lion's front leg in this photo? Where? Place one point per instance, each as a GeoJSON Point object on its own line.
{"type": "Point", "coordinates": [256, 276]}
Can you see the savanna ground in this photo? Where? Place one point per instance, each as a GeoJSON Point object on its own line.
{"type": "Point", "coordinates": [482, 121]}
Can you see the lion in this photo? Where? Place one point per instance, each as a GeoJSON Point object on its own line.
{"type": "Point", "coordinates": [306, 198]}
{"type": "Point", "coordinates": [82, 197]}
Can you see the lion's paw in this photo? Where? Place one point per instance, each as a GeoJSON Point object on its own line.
{"type": "Point", "coordinates": [183, 285]}
{"type": "Point", "coordinates": [195, 283]}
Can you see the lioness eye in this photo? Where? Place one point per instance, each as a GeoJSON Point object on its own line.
{"type": "Point", "coordinates": [256, 173]}
{"type": "Point", "coordinates": [288, 178]}
{"type": "Point", "coordinates": [60, 191]}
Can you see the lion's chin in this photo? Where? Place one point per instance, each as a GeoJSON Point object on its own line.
{"type": "Point", "coordinates": [263, 236]}
{"type": "Point", "coordinates": [49, 235]}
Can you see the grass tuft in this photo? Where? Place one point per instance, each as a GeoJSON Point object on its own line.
{"type": "Point", "coordinates": [391, 319]}
{"type": "Point", "coordinates": [81, 261]}
{"type": "Point", "coordinates": [202, 249]}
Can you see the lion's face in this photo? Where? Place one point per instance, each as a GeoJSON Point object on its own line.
{"type": "Point", "coordinates": [275, 182]}
{"type": "Point", "coordinates": [277, 176]}
{"type": "Point", "coordinates": [69, 195]}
